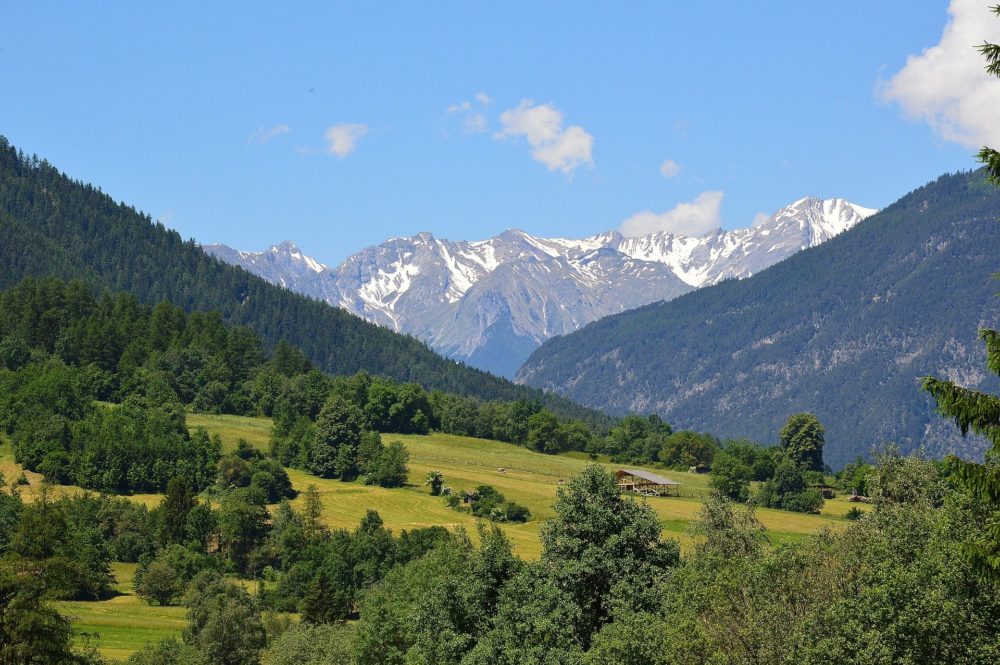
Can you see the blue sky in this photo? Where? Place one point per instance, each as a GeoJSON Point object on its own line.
{"type": "Point", "coordinates": [340, 125]}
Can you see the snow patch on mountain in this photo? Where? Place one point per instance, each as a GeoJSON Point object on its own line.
{"type": "Point", "coordinates": [492, 301]}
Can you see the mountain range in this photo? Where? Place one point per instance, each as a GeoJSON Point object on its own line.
{"type": "Point", "coordinates": [491, 302]}
{"type": "Point", "coordinates": [53, 225]}
{"type": "Point", "coordinates": [844, 330]}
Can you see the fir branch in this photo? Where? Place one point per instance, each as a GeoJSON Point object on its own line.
{"type": "Point", "coordinates": [982, 480]}
{"type": "Point", "coordinates": [992, 54]}
{"type": "Point", "coordinates": [991, 158]}
{"type": "Point", "coordinates": [970, 409]}
{"type": "Point", "coordinates": [992, 340]}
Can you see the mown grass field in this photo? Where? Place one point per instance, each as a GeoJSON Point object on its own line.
{"type": "Point", "coordinates": [122, 624]}
{"type": "Point", "coordinates": [522, 475]}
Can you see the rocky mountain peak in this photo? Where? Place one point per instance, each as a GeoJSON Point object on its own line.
{"type": "Point", "coordinates": [457, 295]}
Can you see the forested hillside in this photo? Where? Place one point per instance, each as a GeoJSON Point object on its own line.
{"type": "Point", "coordinates": [844, 330]}
{"type": "Point", "coordinates": [53, 225]}
{"type": "Point", "coordinates": [61, 349]}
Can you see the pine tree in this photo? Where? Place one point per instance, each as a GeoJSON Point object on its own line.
{"type": "Point", "coordinates": [976, 411]}
{"type": "Point", "coordinates": [311, 524]}
{"type": "Point", "coordinates": [987, 155]}
{"type": "Point", "coordinates": [177, 504]}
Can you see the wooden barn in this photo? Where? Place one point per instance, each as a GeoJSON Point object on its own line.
{"type": "Point", "coordinates": [646, 483]}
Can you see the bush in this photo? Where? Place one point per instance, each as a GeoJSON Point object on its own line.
{"type": "Point", "coordinates": [488, 502]}
{"type": "Point", "coordinates": [807, 501]}
{"type": "Point", "coordinates": [157, 583]}
{"type": "Point", "coordinates": [307, 643]}
{"type": "Point", "coordinates": [788, 491]}
{"type": "Point", "coordinates": [515, 512]}
{"type": "Point", "coordinates": [854, 514]}
{"type": "Point", "coordinates": [436, 481]}
{"type": "Point", "coordinates": [167, 651]}
{"type": "Point", "coordinates": [390, 469]}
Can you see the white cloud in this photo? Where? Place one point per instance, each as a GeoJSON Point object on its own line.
{"type": "Point", "coordinates": [343, 138]}
{"type": "Point", "coordinates": [946, 85]}
{"type": "Point", "coordinates": [473, 117]}
{"type": "Point", "coordinates": [760, 218]}
{"type": "Point", "coordinates": [693, 218]}
{"type": "Point", "coordinates": [669, 168]}
{"type": "Point", "coordinates": [464, 106]}
{"type": "Point", "coordinates": [557, 148]}
{"type": "Point", "coordinates": [475, 123]}
{"type": "Point", "coordinates": [262, 135]}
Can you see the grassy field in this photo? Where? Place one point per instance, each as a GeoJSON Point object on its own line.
{"type": "Point", "coordinates": [257, 431]}
{"type": "Point", "coordinates": [522, 475]}
{"type": "Point", "coordinates": [120, 625]}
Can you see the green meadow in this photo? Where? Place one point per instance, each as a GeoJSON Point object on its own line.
{"type": "Point", "coordinates": [522, 475]}
{"type": "Point", "coordinates": [120, 625]}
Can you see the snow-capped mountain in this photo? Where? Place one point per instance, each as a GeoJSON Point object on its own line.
{"type": "Point", "coordinates": [491, 302]}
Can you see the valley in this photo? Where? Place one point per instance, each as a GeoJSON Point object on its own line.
{"type": "Point", "coordinates": [123, 623]}
{"type": "Point", "coordinates": [566, 347]}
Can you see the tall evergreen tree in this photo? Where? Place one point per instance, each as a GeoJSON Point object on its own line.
{"type": "Point", "coordinates": [976, 411]}
{"type": "Point", "coordinates": [177, 504]}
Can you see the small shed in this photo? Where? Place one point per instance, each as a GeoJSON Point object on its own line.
{"type": "Point", "coordinates": [646, 483]}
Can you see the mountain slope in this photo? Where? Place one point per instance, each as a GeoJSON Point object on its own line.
{"type": "Point", "coordinates": [51, 225]}
{"type": "Point", "coordinates": [491, 302]}
{"type": "Point", "coordinates": [844, 330]}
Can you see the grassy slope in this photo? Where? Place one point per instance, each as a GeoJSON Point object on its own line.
{"type": "Point", "coordinates": [122, 624]}
{"type": "Point", "coordinates": [528, 478]}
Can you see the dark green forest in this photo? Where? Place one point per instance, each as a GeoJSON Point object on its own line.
{"type": "Point", "coordinates": [53, 225]}
{"type": "Point", "coordinates": [844, 330]}
{"type": "Point", "coordinates": [94, 391]}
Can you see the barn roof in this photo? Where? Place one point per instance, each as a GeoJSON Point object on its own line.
{"type": "Point", "coordinates": [651, 477]}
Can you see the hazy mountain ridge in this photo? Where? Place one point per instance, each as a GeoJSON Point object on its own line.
{"type": "Point", "coordinates": [491, 302]}
{"type": "Point", "coordinates": [845, 330]}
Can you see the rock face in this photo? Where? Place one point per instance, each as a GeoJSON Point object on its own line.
{"type": "Point", "coordinates": [492, 302]}
{"type": "Point", "coordinates": [845, 331]}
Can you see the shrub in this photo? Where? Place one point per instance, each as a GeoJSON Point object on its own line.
{"type": "Point", "coordinates": [168, 651]}
{"type": "Point", "coordinates": [515, 512]}
{"type": "Point", "coordinates": [158, 583]}
{"type": "Point", "coordinates": [436, 481]}
{"type": "Point", "coordinates": [390, 469]}
{"type": "Point", "coordinates": [312, 643]}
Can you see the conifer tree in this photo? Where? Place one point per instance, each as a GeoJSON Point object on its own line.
{"type": "Point", "coordinates": [177, 505]}
{"type": "Point", "coordinates": [987, 155]}
{"type": "Point", "coordinates": [976, 411]}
